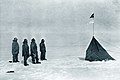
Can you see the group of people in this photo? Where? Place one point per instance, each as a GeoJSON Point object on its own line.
{"type": "Point", "coordinates": [25, 51]}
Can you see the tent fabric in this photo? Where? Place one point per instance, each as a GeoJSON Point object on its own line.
{"type": "Point", "coordinates": [95, 52]}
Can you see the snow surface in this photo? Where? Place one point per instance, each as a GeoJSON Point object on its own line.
{"type": "Point", "coordinates": [67, 68]}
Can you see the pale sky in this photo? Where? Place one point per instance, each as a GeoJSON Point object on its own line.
{"type": "Point", "coordinates": [58, 16]}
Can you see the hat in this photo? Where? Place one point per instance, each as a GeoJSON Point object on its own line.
{"type": "Point", "coordinates": [42, 40]}
{"type": "Point", "coordinates": [25, 41]}
{"type": "Point", "coordinates": [15, 39]}
{"type": "Point", "coordinates": [33, 40]}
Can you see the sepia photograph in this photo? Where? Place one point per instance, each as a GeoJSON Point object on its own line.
{"type": "Point", "coordinates": [59, 39]}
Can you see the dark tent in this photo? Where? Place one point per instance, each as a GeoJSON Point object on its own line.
{"type": "Point", "coordinates": [96, 52]}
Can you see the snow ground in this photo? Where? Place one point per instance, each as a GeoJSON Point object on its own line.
{"type": "Point", "coordinates": [67, 68]}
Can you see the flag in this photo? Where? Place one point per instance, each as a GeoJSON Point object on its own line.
{"type": "Point", "coordinates": [91, 21]}
{"type": "Point", "coordinates": [92, 16]}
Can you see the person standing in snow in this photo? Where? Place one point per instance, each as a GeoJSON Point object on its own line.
{"type": "Point", "coordinates": [34, 52]}
{"type": "Point", "coordinates": [25, 51]}
{"type": "Point", "coordinates": [15, 50]}
{"type": "Point", "coordinates": [42, 50]}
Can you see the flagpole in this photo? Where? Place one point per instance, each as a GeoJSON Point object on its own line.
{"type": "Point", "coordinates": [92, 16]}
{"type": "Point", "coordinates": [93, 27]}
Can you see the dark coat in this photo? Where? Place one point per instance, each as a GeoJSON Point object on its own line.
{"type": "Point", "coordinates": [42, 47]}
{"type": "Point", "coordinates": [25, 50]}
{"type": "Point", "coordinates": [15, 47]}
{"type": "Point", "coordinates": [33, 48]}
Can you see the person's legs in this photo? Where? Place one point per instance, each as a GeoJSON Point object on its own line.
{"type": "Point", "coordinates": [14, 60]}
{"type": "Point", "coordinates": [37, 59]}
{"type": "Point", "coordinates": [41, 57]}
{"type": "Point", "coordinates": [44, 56]}
{"type": "Point", "coordinates": [17, 58]}
{"type": "Point", "coordinates": [33, 59]}
{"type": "Point", "coordinates": [25, 60]}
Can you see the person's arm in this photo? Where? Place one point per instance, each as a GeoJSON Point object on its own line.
{"type": "Point", "coordinates": [18, 48]}
{"type": "Point", "coordinates": [45, 47]}
{"type": "Point", "coordinates": [28, 51]}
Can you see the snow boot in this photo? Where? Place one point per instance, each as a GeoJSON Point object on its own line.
{"type": "Point", "coordinates": [26, 65]}
{"type": "Point", "coordinates": [38, 62]}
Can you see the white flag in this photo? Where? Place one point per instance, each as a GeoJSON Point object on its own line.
{"type": "Point", "coordinates": [91, 21]}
